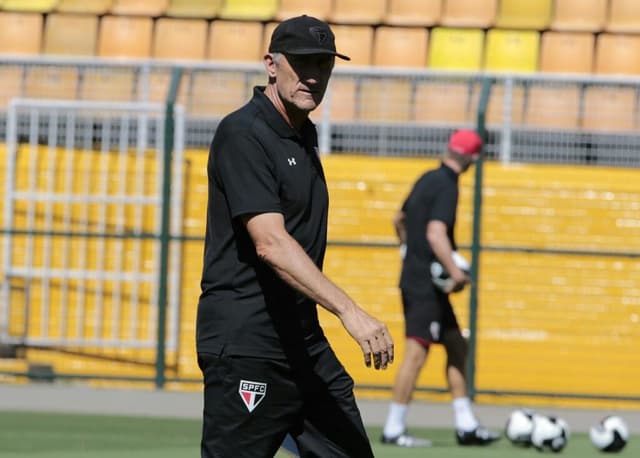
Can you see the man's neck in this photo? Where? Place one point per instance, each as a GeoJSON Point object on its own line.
{"type": "Point", "coordinates": [453, 165]}
{"type": "Point", "coordinates": [295, 120]}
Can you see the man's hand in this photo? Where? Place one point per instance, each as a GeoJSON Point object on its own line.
{"type": "Point", "coordinates": [371, 334]}
{"type": "Point", "coordinates": [459, 279]}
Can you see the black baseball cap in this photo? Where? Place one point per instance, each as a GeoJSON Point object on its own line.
{"type": "Point", "coordinates": [304, 35]}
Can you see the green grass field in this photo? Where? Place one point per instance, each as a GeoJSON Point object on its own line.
{"type": "Point", "coordinates": [47, 435]}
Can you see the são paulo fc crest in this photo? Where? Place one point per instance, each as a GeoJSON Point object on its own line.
{"type": "Point", "coordinates": [252, 393]}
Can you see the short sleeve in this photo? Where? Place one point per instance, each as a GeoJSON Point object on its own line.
{"type": "Point", "coordinates": [444, 206]}
{"type": "Point", "coordinates": [245, 172]}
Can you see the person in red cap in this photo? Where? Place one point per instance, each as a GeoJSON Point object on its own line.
{"type": "Point", "coordinates": [425, 226]}
{"type": "Point", "coordinates": [267, 366]}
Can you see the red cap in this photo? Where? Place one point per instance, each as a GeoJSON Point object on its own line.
{"type": "Point", "coordinates": [465, 142]}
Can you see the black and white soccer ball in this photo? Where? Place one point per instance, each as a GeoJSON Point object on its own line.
{"type": "Point", "coordinates": [549, 433]}
{"type": "Point", "coordinates": [519, 427]}
{"type": "Point", "coordinates": [440, 276]}
{"type": "Point", "coordinates": [611, 434]}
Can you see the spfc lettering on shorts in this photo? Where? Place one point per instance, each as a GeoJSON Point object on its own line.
{"type": "Point", "coordinates": [252, 393]}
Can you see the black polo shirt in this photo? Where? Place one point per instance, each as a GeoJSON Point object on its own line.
{"type": "Point", "coordinates": [259, 164]}
{"type": "Point", "coordinates": [434, 197]}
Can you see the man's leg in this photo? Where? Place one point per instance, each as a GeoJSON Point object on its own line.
{"type": "Point", "coordinates": [415, 355]}
{"type": "Point", "coordinates": [468, 430]}
{"type": "Point", "coordinates": [333, 425]}
{"type": "Point", "coordinates": [456, 348]}
{"type": "Point", "coordinates": [249, 405]}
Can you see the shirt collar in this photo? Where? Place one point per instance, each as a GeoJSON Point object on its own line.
{"type": "Point", "coordinates": [450, 172]}
{"type": "Point", "coordinates": [273, 117]}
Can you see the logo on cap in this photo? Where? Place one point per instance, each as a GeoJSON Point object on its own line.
{"type": "Point", "coordinates": [319, 33]}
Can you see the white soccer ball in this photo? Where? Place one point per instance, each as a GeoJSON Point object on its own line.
{"type": "Point", "coordinates": [609, 435]}
{"type": "Point", "coordinates": [549, 433]}
{"type": "Point", "coordinates": [519, 427]}
{"type": "Point", "coordinates": [440, 276]}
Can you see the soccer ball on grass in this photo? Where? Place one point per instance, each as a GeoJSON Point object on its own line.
{"type": "Point", "coordinates": [610, 434]}
{"type": "Point", "coordinates": [549, 433]}
{"type": "Point", "coordinates": [519, 427]}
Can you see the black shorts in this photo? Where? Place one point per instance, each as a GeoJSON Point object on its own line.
{"type": "Point", "coordinates": [427, 316]}
{"type": "Point", "coordinates": [250, 404]}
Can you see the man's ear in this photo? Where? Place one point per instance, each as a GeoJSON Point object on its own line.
{"type": "Point", "coordinates": [270, 65]}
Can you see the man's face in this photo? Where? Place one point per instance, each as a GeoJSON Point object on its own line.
{"type": "Point", "coordinates": [468, 160]}
{"type": "Point", "coordinates": [302, 79]}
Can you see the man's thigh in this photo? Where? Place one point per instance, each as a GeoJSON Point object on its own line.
{"type": "Point", "coordinates": [332, 423]}
{"type": "Point", "coordinates": [427, 317]}
{"type": "Point", "coordinates": [249, 405]}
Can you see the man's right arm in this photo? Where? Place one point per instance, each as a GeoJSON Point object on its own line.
{"type": "Point", "coordinates": [439, 242]}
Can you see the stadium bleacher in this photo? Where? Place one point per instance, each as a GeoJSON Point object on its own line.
{"type": "Point", "coordinates": [588, 37]}
{"type": "Point", "coordinates": [141, 23]}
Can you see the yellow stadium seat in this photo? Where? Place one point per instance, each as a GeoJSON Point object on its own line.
{"type": "Point", "coordinates": [385, 99]}
{"type": "Point", "coordinates": [125, 36]}
{"type": "Point", "coordinates": [468, 13]}
{"type": "Point", "coordinates": [215, 94]}
{"type": "Point", "coordinates": [567, 52]}
{"type": "Point", "coordinates": [180, 39]}
{"type": "Point", "coordinates": [555, 107]}
{"type": "Point", "coordinates": [20, 33]}
{"type": "Point", "coordinates": [34, 6]}
{"type": "Point", "coordinates": [400, 46]}
{"type": "Point", "coordinates": [158, 86]}
{"type": "Point", "coordinates": [49, 82]}
{"type": "Point", "coordinates": [512, 50]}
{"type": "Point", "coordinates": [495, 115]}
{"type": "Point", "coordinates": [579, 15]}
{"type": "Point", "coordinates": [204, 9]}
{"type": "Point", "coordinates": [443, 102]}
{"type": "Point", "coordinates": [610, 109]}
{"type": "Point", "coordinates": [342, 99]}
{"type": "Point", "coordinates": [12, 79]}
{"type": "Point", "coordinates": [71, 34]}
{"type": "Point", "coordinates": [139, 7]}
{"type": "Point", "coordinates": [84, 6]}
{"type": "Point", "coordinates": [235, 40]}
{"type": "Point", "coordinates": [255, 10]}
{"type": "Point", "coordinates": [356, 41]}
{"type": "Point", "coordinates": [523, 14]}
{"type": "Point", "coordinates": [624, 16]}
{"type": "Point", "coordinates": [456, 49]}
{"type": "Point", "coordinates": [618, 54]}
{"type": "Point", "coordinates": [412, 13]}
{"type": "Point", "coordinates": [108, 84]}
{"type": "Point", "coordinates": [291, 8]}
{"type": "Point", "coordinates": [269, 27]}
{"type": "Point", "coordinates": [358, 11]}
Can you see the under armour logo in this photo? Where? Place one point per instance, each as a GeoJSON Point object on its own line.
{"type": "Point", "coordinates": [292, 161]}
{"type": "Point", "coordinates": [320, 33]}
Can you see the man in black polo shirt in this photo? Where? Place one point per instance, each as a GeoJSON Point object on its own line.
{"type": "Point", "coordinates": [425, 226]}
{"type": "Point", "coordinates": [268, 368]}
